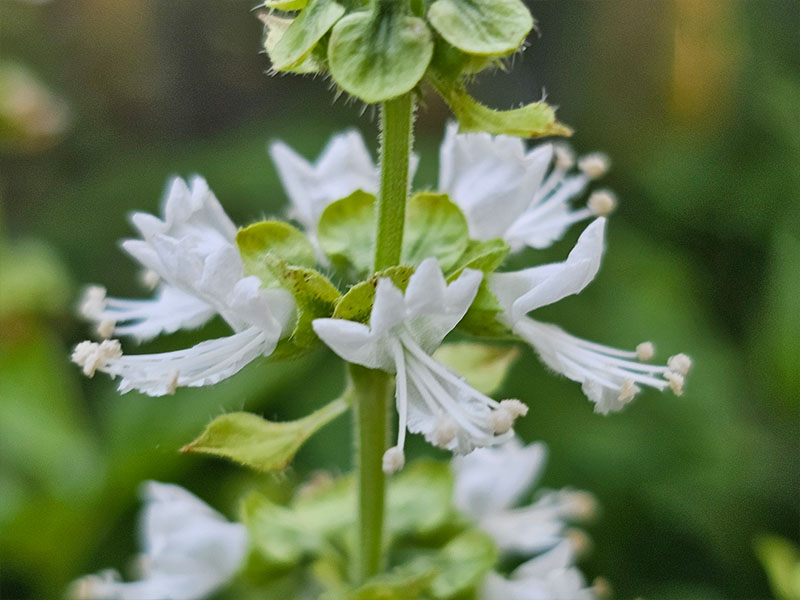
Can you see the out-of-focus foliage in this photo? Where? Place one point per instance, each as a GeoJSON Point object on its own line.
{"type": "Point", "coordinates": [695, 101]}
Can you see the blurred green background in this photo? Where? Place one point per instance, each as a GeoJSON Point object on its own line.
{"type": "Point", "coordinates": [697, 101]}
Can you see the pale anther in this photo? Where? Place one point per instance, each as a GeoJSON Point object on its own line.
{"type": "Point", "coordinates": [393, 459]}
{"type": "Point", "coordinates": [514, 407]}
{"type": "Point", "coordinates": [91, 356]}
{"type": "Point", "coordinates": [565, 157]}
{"type": "Point", "coordinates": [501, 421]}
{"type": "Point", "coordinates": [680, 363]}
{"type": "Point", "coordinates": [93, 301]}
{"type": "Point", "coordinates": [150, 279]}
{"type": "Point", "coordinates": [594, 165]}
{"type": "Point", "coordinates": [173, 382]}
{"type": "Point", "coordinates": [582, 505]}
{"type": "Point", "coordinates": [579, 541]}
{"type": "Point", "coordinates": [645, 351]}
{"type": "Point", "coordinates": [628, 391]}
{"type": "Point", "coordinates": [105, 328]}
{"type": "Point", "coordinates": [445, 432]}
{"type": "Point", "coordinates": [675, 382]}
{"type": "Point", "coordinates": [602, 203]}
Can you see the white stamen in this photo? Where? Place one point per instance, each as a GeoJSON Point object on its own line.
{"type": "Point", "coordinates": [501, 421]}
{"type": "Point", "coordinates": [105, 328]}
{"type": "Point", "coordinates": [445, 432]}
{"type": "Point", "coordinates": [602, 203]}
{"type": "Point", "coordinates": [680, 363]}
{"type": "Point", "coordinates": [393, 460]}
{"type": "Point", "coordinates": [149, 278]}
{"type": "Point", "coordinates": [93, 301]}
{"type": "Point", "coordinates": [645, 351]}
{"type": "Point", "coordinates": [582, 505]}
{"type": "Point", "coordinates": [579, 541]}
{"type": "Point", "coordinates": [565, 156]}
{"type": "Point", "coordinates": [628, 391]}
{"type": "Point", "coordinates": [514, 407]}
{"type": "Point", "coordinates": [173, 382]}
{"type": "Point", "coordinates": [676, 381]}
{"type": "Point", "coordinates": [92, 356]}
{"type": "Point", "coordinates": [594, 165]}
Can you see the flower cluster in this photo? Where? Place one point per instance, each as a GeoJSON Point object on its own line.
{"type": "Point", "coordinates": [506, 197]}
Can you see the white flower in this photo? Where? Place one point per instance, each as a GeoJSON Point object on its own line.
{"type": "Point", "coordinates": [193, 253]}
{"type": "Point", "coordinates": [189, 551]}
{"type": "Point", "coordinates": [344, 166]}
{"type": "Point", "coordinates": [488, 484]}
{"type": "Point", "coordinates": [506, 192]}
{"type": "Point", "coordinates": [404, 330]}
{"type": "Point", "coordinates": [609, 377]}
{"type": "Point", "coordinates": [549, 576]}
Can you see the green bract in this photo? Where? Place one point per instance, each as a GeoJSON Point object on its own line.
{"type": "Point", "coordinates": [482, 27]}
{"type": "Point", "coordinates": [434, 227]}
{"type": "Point", "coordinates": [380, 54]}
{"type": "Point", "coordinates": [346, 232]}
{"type": "Point", "coordinates": [356, 304]}
{"type": "Point", "coordinates": [300, 37]}
{"type": "Point", "coordinates": [255, 442]}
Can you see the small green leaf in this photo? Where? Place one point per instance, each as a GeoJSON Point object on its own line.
{"type": "Point", "coordinates": [274, 29]}
{"type": "Point", "coordinates": [484, 367]}
{"type": "Point", "coordinates": [483, 256]}
{"type": "Point", "coordinates": [285, 5]}
{"type": "Point", "coordinates": [277, 533]}
{"type": "Point", "coordinates": [420, 498]}
{"type": "Point", "coordinates": [436, 227]}
{"type": "Point", "coordinates": [463, 563]}
{"type": "Point", "coordinates": [356, 304]}
{"type": "Point", "coordinates": [481, 318]}
{"type": "Point", "coordinates": [273, 237]}
{"type": "Point", "coordinates": [379, 55]}
{"type": "Point", "coordinates": [255, 442]}
{"type": "Point", "coordinates": [532, 120]}
{"type": "Point", "coordinates": [483, 27]}
{"type": "Point", "coordinates": [328, 506]}
{"type": "Point", "coordinates": [346, 232]}
{"type": "Point", "coordinates": [304, 32]}
{"type": "Point", "coordinates": [405, 582]}
{"type": "Point", "coordinates": [781, 560]}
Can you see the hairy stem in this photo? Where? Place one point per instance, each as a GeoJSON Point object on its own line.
{"type": "Point", "coordinates": [396, 134]}
{"type": "Point", "coordinates": [371, 396]}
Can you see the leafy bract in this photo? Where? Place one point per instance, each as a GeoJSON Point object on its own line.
{"type": "Point", "coordinates": [346, 232]}
{"type": "Point", "coordinates": [481, 318]}
{"type": "Point", "coordinates": [483, 27]}
{"type": "Point", "coordinates": [255, 442]}
{"type": "Point", "coordinates": [303, 34]}
{"type": "Point", "coordinates": [278, 238]}
{"type": "Point", "coordinates": [274, 29]}
{"type": "Point", "coordinates": [463, 563]}
{"type": "Point", "coordinates": [419, 499]}
{"type": "Point", "coordinates": [536, 119]}
{"type": "Point", "coordinates": [483, 256]}
{"type": "Point", "coordinates": [483, 366]}
{"type": "Point", "coordinates": [356, 304]}
{"type": "Point", "coordinates": [435, 226]}
{"type": "Point", "coordinates": [380, 54]}
{"type": "Point", "coordinates": [285, 4]}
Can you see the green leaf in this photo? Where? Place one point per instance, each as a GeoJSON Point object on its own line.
{"type": "Point", "coordinates": [532, 120]}
{"type": "Point", "coordinates": [483, 256]}
{"type": "Point", "coordinates": [346, 232]}
{"type": "Point", "coordinates": [255, 442]}
{"type": "Point", "coordinates": [285, 4]}
{"type": "Point", "coordinates": [304, 32]}
{"type": "Point", "coordinates": [436, 227]}
{"type": "Point", "coordinates": [277, 533]}
{"type": "Point", "coordinates": [481, 318]}
{"type": "Point", "coordinates": [32, 280]}
{"type": "Point", "coordinates": [405, 582]}
{"type": "Point", "coordinates": [781, 560]}
{"type": "Point", "coordinates": [463, 563]}
{"type": "Point", "coordinates": [484, 367]}
{"type": "Point", "coordinates": [356, 304]}
{"type": "Point", "coordinates": [273, 237]}
{"type": "Point", "coordinates": [329, 505]}
{"type": "Point", "coordinates": [274, 29]}
{"type": "Point", "coordinates": [420, 498]}
{"type": "Point", "coordinates": [379, 55]}
{"type": "Point", "coordinates": [484, 27]}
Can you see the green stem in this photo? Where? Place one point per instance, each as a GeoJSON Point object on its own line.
{"type": "Point", "coordinates": [371, 395]}
{"type": "Point", "coordinates": [396, 131]}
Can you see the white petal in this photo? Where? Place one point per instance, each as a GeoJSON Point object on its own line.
{"type": "Point", "coordinates": [190, 551]}
{"type": "Point", "coordinates": [388, 309]}
{"type": "Point", "coordinates": [168, 311]}
{"type": "Point", "coordinates": [490, 480]}
{"type": "Point", "coordinates": [491, 178]}
{"type": "Point", "coordinates": [343, 167]}
{"type": "Point", "coordinates": [520, 292]}
{"type": "Point", "coordinates": [354, 342]}
{"type": "Point", "coordinates": [206, 363]}
{"type": "Point", "coordinates": [562, 556]}
{"type": "Point", "coordinates": [271, 310]}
